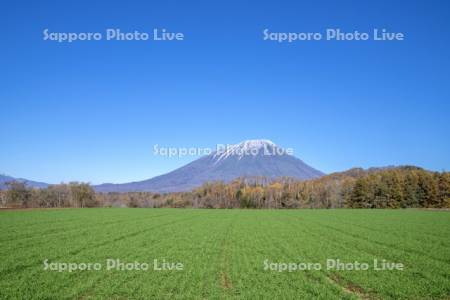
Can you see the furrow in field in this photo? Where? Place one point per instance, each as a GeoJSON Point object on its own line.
{"type": "Point", "coordinates": [94, 255]}
{"type": "Point", "coordinates": [260, 241]}
{"type": "Point", "coordinates": [68, 252]}
{"type": "Point", "coordinates": [306, 252]}
{"type": "Point", "coordinates": [311, 253]}
{"type": "Point", "coordinates": [170, 284]}
{"type": "Point", "coordinates": [349, 287]}
{"type": "Point", "coordinates": [224, 279]}
{"type": "Point", "coordinates": [371, 243]}
{"type": "Point", "coordinates": [380, 241]}
{"type": "Point", "coordinates": [33, 230]}
{"type": "Point", "coordinates": [68, 242]}
{"type": "Point", "coordinates": [212, 243]}
{"type": "Point", "coordinates": [100, 251]}
{"type": "Point", "coordinates": [79, 230]}
{"type": "Point", "coordinates": [422, 239]}
{"type": "Point", "coordinates": [359, 249]}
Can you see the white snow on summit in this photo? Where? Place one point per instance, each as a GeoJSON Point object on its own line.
{"type": "Point", "coordinates": [249, 147]}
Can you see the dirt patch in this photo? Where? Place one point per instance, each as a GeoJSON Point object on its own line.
{"type": "Point", "coordinates": [225, 281]}
{"type": "Point", "coordinates": [350, 287]}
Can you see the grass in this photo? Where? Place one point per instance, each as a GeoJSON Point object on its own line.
{"type": "Point", "coordinates": [223, 253]}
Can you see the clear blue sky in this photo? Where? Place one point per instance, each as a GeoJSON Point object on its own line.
{"type": "Point", "coordinates": [92, 111]}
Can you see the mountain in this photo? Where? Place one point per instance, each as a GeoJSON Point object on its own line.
{"type": "Point", "coordinates": [247, 159]}
{"type": "Point", "coordinates": [5, 179]}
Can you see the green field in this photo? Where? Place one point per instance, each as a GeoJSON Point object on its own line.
{"type": "Point", "coordinates": [223, 253]}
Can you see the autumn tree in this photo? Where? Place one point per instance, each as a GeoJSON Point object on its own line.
{"type": "Point", "coordinates": [82, 194]}
{"type": "Point", "coordinates": [18, 194]}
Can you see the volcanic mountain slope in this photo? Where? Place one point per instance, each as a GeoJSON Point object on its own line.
{"type": "Point", "coordinates": [247, 159]}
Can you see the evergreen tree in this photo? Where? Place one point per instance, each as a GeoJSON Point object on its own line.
{"type": "Point", "coordinates": [360, 194]}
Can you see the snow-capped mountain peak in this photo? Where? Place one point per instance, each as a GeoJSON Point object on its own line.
{"type": "Point", "coordinates": [256, 143]}
{"type": "Point", "coordinates": [248, 147]}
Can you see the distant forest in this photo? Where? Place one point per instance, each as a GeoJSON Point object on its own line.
{"type": "Point", "coordinates": [399, 187]}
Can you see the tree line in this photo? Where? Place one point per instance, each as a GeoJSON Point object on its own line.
{"type": "Point", "coordinates": [400, 187]}
{"type": "Point", "coordinates": [74, 194]}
